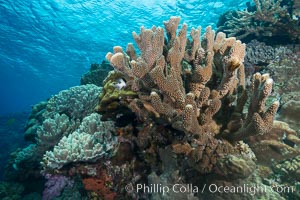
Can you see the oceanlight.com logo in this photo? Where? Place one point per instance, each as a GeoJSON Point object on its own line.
{"type": "Point", "coordinates": [210, 188]}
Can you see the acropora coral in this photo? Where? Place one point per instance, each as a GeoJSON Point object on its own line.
{"type": "Point", "coordinates": [272, 21]}
{"type": "Point", "coordinates": [190, 99]}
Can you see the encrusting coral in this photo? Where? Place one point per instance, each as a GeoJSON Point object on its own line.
{"type": "Point", "coordinates": [189, 97]}
{"type": "Point", "coordinates": [100, 186]}
{"type": "Point", "coordinates": [114, 95]}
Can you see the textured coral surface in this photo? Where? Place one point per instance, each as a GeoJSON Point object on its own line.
{"type": "Point", "coordinates": [176, 111]}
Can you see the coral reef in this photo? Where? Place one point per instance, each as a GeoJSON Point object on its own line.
{"type": "Point", "coordinates": [26, 157]}
{"type": "Point", "coordinates": [258, 56]}
{"type": "Point", "coordinates": [96, 75]}
{"type": "Point", "coordinates": [48, 123]}
{"type": "Point", "coordinates": [11, 191]}
{"type": "Point", "coordinates": [285, 72]}
{"type": "Point", "coordinates": [54, 185]}
{"type": "Point", "coordinates": [93, 139]}
{"type": "Point", "coordinates": [259, 53]}
{"type": "Point", "coordinates": [73, 105]}
{"type": "Point", "coordinates": [185, 98]}
{"type": "Point", "coordinates": [279, 144]}
{"type": "Point", "coordinates": [176, 111]}
{"type": "Point", "coordinates": [76, 102]}
{"type": "Point", "coordinates": [113, 101]}
{"type": "Point", "coordinates": [272, 21]}
{"type": "Point", "coordinates": [59, 117]}
{"type": "Point", "coordinates": [290, 113]}
{"type": "Point", "coordinates": [35, 119]}
{"type": "Point", "coordinates": [99, 186]}
{"type": "Point", "coordinates": [281, 62]}
{"type": "Point", "coordinates": [289, 169]}
{"type": "Point", "coordinates": [288, 172]}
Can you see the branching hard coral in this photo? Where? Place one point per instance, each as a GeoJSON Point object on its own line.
{"type": "Point", "coordinates": [229, 57]}
{"type": "Point", "coordinates": [271, 19]}
{"type": "Point", "coordinates": [259, 120]}
{"type": "Point", "coordinates": [289, 169]}
{"type": "Point", "coordinates": [279, 144]}
{"type": "Point", "coordinates": [187, 82]}
{"type": "Point", "coordinates": [179, 107]}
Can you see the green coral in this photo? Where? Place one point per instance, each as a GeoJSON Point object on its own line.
{"type": "Point", "coordinates": [112, 99]}
{"type": "Point", "coordinates": [289, 170]}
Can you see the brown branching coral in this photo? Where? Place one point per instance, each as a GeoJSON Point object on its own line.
{"type": "Point", "coordinates": [259, 120]}
{"type": "Point", "coordinates": [270, 19]}
{"type": "Point", "coordinates": [189, 98]}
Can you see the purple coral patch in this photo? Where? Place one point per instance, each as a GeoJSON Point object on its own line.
{"type": "Point", "coordinates": [55, 185]}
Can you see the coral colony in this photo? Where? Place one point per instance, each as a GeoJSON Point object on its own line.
{"type": "Point", "coordinates": [176, 121]}
{"type": "Point", "coordinates": [172, 82]}
{"type": "Point", "coordinates": [275, 21]}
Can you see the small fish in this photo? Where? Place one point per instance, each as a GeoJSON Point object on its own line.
{"type": "Point", "coordinates": [120, 83]}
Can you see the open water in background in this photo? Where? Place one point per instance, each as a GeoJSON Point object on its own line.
{"type": "Point", "coordinates": [46, 45]}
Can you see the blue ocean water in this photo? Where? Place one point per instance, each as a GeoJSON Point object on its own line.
{"type": "Point", "coordinates": [47, 45]}
{"type": "Point", "coordinates": [219, 118]}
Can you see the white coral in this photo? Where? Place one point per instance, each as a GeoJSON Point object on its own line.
{"type": "Point", "coordinates": [76, 102]}
{"type": "Point", "coordinates": [92, 140]}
